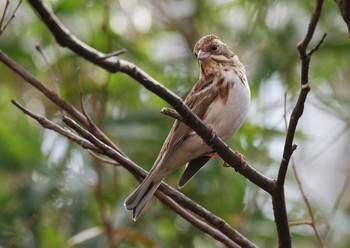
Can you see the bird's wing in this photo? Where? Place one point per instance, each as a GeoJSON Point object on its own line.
{"type": "Point", "coordinates": [198, 100]}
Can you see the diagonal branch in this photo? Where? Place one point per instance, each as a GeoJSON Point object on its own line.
{"type": "Point", "coordinates": [58, 129]}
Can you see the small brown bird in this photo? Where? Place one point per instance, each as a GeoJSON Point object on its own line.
{"type": "Point", "coordinates": [220, 98]}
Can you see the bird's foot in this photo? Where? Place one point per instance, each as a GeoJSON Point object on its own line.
{"type": "Point", "coordinates": [239, 155]}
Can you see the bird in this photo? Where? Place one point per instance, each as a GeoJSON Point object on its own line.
{"type": "Point", "coordinates": [220, 98]}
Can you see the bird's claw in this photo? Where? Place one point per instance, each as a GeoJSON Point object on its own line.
{"type": "Point", "coordinates": [239, 155]}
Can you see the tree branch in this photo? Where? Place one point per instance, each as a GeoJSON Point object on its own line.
{"type": "Point", "coordinates": [278, 198]}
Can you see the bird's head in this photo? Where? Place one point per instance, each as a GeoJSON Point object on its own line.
{"type": "Point", "coordinates": [210, 46]}
{"type": "Point", "coordinates": [212, 53]}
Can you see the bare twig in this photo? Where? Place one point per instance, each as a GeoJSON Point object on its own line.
{"type": "Point", "coordinates": [54, 127]}
{"type": "Point", "coordinates": [114, 54]}
{"type": "Point", "coordinates": [315, 48]}
{"type": "Point", "coordinates": [303, 45]}
{"type": "Point", "coordinates": [81, 98]}
{"type": "Point", "coordinates": [53, 75]}
{"type": "Point", "coordinates": [172, 113]}
{"type": "Point", "coordinates": [3, 27]}
{"type": "Point", "coordinates": [300, 223]}
{"type": "Point", "coordinates": [4, 14]}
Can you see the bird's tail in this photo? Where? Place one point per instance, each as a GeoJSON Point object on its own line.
{"type": "Point", "coordinates": [141, 196]}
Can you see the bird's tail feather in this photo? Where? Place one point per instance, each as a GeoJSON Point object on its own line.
{"type": "Point", "coordinates": [141, 196]}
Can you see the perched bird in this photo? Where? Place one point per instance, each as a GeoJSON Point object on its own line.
{"type": "Point", "coordinates": [220, 98]}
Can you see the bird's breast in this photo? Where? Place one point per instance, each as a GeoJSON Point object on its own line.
{"type": "Point", "coordinates": [229, 109]}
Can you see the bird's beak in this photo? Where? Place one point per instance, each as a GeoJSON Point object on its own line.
{"type": "Point", "coordinates": [202, 55]}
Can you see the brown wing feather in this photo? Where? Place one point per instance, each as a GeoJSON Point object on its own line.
{"type": "Point", "coordinates": [198, 102]}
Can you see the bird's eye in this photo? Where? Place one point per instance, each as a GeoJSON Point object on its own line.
{"type": "Point", "coordinates": [214, 47]}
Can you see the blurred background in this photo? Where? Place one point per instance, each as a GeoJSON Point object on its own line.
{"type": "Point", "coordinates": [54, 194]}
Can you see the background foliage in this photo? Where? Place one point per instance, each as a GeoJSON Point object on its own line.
{"type": "Point", "coordinates": [54, 194]}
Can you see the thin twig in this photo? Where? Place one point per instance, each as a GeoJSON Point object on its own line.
{"type": "Point", "coordinates": [53, 75]}
{"type": "Point", "coordinates": [114, 54]}
{"type": "Point", "coordinates": [54, 127]}
{"type": "Point", "coordinates": [172, 113]}
{"type": "Point", "coordinates": [300, 223]}
{"type": "Point", "coordinates": [303, 44]}
{"type": "Point", "coordinates": [81, 98]}
{"type": "Point", "coordinates": [3, 28]}
{"type": "Point", "coordinates": [4, 14]}
{"type": "Point", "coordinates": [315, 48]}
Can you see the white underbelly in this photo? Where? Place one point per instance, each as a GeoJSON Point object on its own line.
{"type": "Point", "coordinates": [227, 117]}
